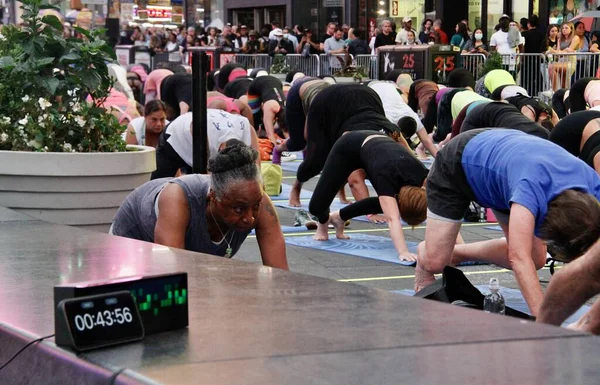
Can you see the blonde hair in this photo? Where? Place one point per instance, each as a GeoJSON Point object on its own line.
{"type": "Point", "coordinates": [570, 37]}
{"type": "Point", "coordinates": [412, 203]}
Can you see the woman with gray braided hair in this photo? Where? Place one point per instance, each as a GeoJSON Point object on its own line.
{"type": "Point", "coordinates": [210, 214]}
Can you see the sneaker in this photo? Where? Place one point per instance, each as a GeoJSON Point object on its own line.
{"type": "Point", "coordinates": [287, 156]}
{"type": "Point", "coordinates": [303, 218]}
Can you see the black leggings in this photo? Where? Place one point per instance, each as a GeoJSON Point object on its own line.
{"type": "Point", "coordinates": [342, 161]}
{"type": "Point", "coordinates": [590, 149]}
{"type": "Point", "coordinates": [576, 96]}
{"type": "Point", "coordinates": [559, 104]}
{"type": "Point", "coordinates": [296, 117]}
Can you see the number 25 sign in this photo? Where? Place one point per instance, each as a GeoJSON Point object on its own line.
{"type": "Point", "coordinates": [444, 63]}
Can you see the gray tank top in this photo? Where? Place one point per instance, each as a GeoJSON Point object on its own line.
{"type": "Point", "coordinates": [564, 44]}
{"type": "Point", "coordinates": [136, 217]}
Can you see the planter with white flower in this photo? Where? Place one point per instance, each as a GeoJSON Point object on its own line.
{"type": "Point", "coordinates": [62, 158]}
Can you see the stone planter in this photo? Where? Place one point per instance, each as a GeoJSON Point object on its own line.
{"type": "Point", "coordinates": [78, 189]}
{"type": "Point", "coordinates": [345, 80]}
{"type": "Point", "coordinates": [281, 77]}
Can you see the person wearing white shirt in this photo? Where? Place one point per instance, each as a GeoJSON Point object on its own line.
{"type": "Point", "coordinates": [499, 40]}
{"type": "Point", "coordinates": [402, 35]}
{"type": "Point", "coordinates": [396, 109]}
{"type": "Point", "coordinates": [145, 130]}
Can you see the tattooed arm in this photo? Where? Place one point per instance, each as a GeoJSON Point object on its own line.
{"type": "Point", "coordinates": [270, 237]}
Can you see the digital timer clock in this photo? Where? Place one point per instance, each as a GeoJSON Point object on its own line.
{"type": "Point", "coordinates": [96, 321]}
{"type": "Point", "coordinates": [162, 300]}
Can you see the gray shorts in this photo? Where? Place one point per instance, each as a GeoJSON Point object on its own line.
{"type": "Point", "coordinates": [448, 192]}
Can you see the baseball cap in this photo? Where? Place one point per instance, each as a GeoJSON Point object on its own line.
{"type": "Point", "coordinates": [307, 30]}
{"type": "Point", "coordinates": [243, 27]}
{"type": "Point", "coordinates": [504, 16]}
{"type": "Point", "coordinates": [406, 19]}
{"type": "Point", "coordinates": [277, 32]}
{"type": "Point", "coordinates": [252, 33]}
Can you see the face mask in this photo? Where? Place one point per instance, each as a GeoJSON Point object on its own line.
{"type": "Point", "coordinates": [278, 38]}
{"type": "Point", "coordinates": [286, 35]}
{"type": "Point", "coordinates": [478, 36]}
{"type": "Point", "coordinates": [411, 41]}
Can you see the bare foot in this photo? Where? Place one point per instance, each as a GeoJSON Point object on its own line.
{"type": "Point", "coordinates": [421, 151]}
{"type": "Point", "coordinates": [295, 195]}
{"type": "Point", "coordinates": [423, 278]}
{"type": "Point", "coordinates": [378, 219]}
{"type": "Point", "coordinates": [322, 233]}
{"type": "Point", "coordinates": [338, 224]}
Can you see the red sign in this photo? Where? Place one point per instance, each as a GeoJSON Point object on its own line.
{"type": "Point", "coordinates": [156, 13]}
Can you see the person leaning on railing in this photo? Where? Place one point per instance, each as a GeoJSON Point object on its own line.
{"type": "Point", "coordinates": [476, 44]}
{"type": "Point", "coordinates": [307, 39]}
{"type": "Point", "coordinates": [253, 45]}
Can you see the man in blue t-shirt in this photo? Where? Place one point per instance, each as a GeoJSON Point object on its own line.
{"type": "Point", "coordinates": [549, 194]}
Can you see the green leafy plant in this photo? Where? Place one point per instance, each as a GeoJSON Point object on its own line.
{"type": "Point", "coordinates": [51, 87]}
{"type": "Point", "coordinates": [493, 62]}
{"type": "Point", "coordinates": [279, 65]}
{"type": "Point", "coordinates": [349, 70]}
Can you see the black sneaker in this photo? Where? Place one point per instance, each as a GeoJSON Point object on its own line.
{"type": "Point", "coordinates": [303, 218]}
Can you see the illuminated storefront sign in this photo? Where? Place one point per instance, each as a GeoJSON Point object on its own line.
{"type": "Point", "coordinates": [154, 13]}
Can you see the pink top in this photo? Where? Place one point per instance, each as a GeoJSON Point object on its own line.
{"type": "Point", "coordinates": [592, 92]}
{"type": "Point", "coordinates": [154, 80]}
{"type": "Point", "coordinates": [441, 93]}
{"type": "Point", "coordinates": [138, 69]}
{"type": "Point", "coordinates": [127, 106]}
{"type": "Point", "coordinates": [231, 106]}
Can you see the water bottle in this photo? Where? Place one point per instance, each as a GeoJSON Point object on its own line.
{"type": "Point", "coordinates": [494, 301]}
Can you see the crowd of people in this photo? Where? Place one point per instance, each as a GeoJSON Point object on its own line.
{"type": "Point", "coordinates": [535, 165]}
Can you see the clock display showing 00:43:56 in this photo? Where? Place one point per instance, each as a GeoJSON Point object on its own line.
{"type": "Point", "coordinates": [103, 318]}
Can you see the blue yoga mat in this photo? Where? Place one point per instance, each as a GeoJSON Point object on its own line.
{"type": "Point", "coordinates": [359, 245]}
{"type": "Point", "coordinates": [289, 229]}
{"type": "Point", "coordinates": [285, 193]}
{"type": "Point", "coordinates": [495, 228]}
{"type": "Point", "coordinates": [335, 205]}
{"type": "Point", "coordinates": [291, 166]}
{"type": "Point", "coordinates": [514, 299]}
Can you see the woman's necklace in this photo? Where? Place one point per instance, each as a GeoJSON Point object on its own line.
{"type": "Point", "coordinates": [229, 250]}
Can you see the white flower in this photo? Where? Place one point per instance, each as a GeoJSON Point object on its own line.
{"type": "Point", "coordinates": [6, 120]}
{"type": "Point", "coordinates": [2, 38]}
{"type": "Point", "coordinates": [25, 98]}
{"type": "Point", "coordinates": [80, 121]}
{"type": "Point", "coordinates": [44, 103]}
{"type": "Point", "coordinates": [75, 107]}
{"type": "Point", "coordinates": [35, 144]}
{"type": "Point", "coordinates": [24, 121]}
{"type": "Point", "coordinates": [70, 133]}
{"type": "Point", "coordinates": [67, 147]}
{"type": "Point", "coordinates": [3, 137]}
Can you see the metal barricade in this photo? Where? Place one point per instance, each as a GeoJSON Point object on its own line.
{"type": "Point", "coordinates": [330, 64]}
{"type": "Point", "coordinates": [161, 60]}
{"type": "Point", "coordinates": [530, 73]}
{"type": "Point", "coordinates": [473, 62]}
{"type": "Point", "coordinates": [307, 65]}
{"type": "Point", "coordinates": [251, 61]}
{"type": "Point", "coordinates": [562, 68]}
{"type": "Point", "coordinates": [587, 65]}
{"type": "Point", "coordinates": [369, 63]}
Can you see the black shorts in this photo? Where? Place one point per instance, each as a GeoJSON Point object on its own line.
{"type": "Point", "coordinates": [590, 149]}
{"type": "Point", "coordinates": [448, 192]}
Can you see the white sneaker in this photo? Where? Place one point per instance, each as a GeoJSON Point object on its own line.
{"type": "Point", "coordinates": [287, 156]}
